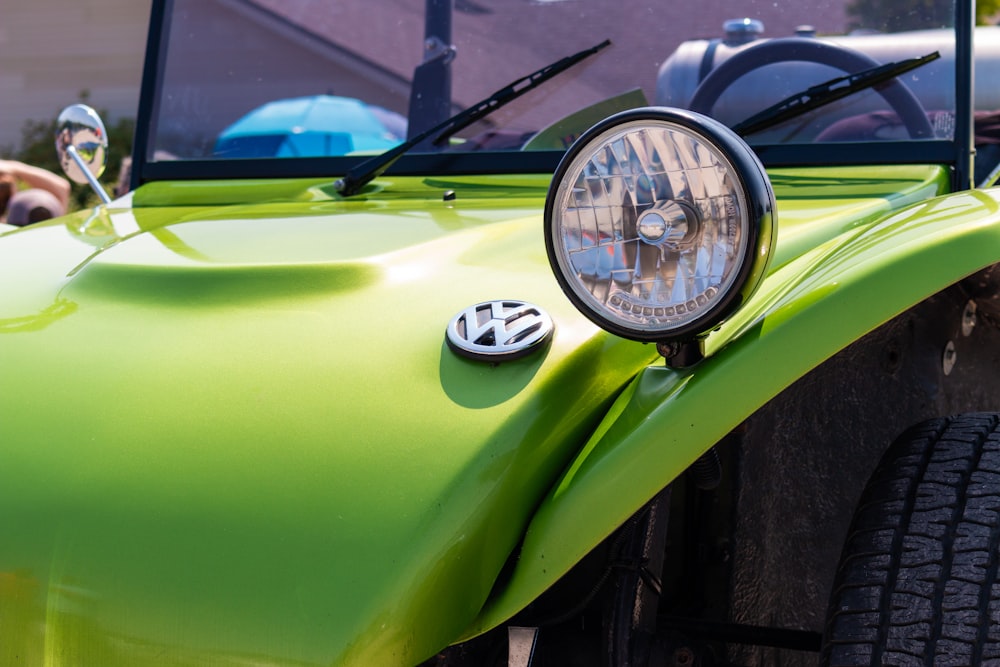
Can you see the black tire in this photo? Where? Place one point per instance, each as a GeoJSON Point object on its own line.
{"type": "Point", "coordinates": [917, 581]}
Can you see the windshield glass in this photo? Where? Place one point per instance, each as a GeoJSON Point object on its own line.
{"type": "Point", "coordinates": [261, 80]}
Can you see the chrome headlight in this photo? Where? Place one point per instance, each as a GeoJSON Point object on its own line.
{"type": "Point", "coordinates": [659, 224]}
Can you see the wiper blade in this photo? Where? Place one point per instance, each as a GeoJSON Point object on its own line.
{"type": "Point", "coordinates": [357, 178]}
{"type": "Point", "coordinates": [825, 93]}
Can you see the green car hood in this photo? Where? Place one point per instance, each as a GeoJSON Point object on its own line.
{"type": "Point", "coordinates": [238, 430]}
{"type": "Point", "coordinates": [235, 432]}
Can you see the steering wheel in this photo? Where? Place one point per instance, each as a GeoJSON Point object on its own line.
{"type": "Point", "coordinates": [800, 49]}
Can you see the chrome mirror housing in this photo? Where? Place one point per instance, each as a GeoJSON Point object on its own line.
{"type": "Point", "coordinates": [82, 146]}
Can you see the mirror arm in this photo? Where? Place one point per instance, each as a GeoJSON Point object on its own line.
{"type": "Point", "coordinates": [91, 179]}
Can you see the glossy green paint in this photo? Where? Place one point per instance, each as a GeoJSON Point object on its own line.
{"type": "Point", "coordinates": [810, 307]}
{"type": "Point", "coordinates": [237, 432]}
{"type": "Point", "coordinates": [232, 429]}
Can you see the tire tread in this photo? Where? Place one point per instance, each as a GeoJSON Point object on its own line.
{"type": "Point", "coordinates": [917, 581]}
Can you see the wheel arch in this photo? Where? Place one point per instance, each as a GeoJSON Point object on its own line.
{"type": "Point", "coordinates": [807, 310]}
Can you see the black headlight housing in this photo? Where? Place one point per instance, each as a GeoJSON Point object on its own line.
{"type": "Point", "coordinates": [659, 224]}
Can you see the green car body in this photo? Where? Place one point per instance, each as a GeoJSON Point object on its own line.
{"type": "Point", "coordinates": [461, 469]}
{"type": "Point", "coordinates": [234, 433]}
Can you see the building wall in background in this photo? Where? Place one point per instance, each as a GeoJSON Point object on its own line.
{"type": "Point", "coordinates": [52, 50]}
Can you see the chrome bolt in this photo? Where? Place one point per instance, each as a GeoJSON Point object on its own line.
{"type": "Point", "coordinates": [969, 318]}
{"type": "Point", "coordinates": [949, 358]}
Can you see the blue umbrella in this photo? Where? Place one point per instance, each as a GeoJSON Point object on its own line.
{"type": "Point", "coordinates": [316, 126]}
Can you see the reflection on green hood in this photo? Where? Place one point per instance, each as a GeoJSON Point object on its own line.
{"type": "Point", "coordinates": [237, 432]}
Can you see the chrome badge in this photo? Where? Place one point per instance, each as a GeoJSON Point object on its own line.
{"type": "Point", "coordinates": [499, 330]}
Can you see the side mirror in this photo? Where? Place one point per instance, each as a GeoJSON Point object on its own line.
{"type": "Point", "coordinates": [82, 146]}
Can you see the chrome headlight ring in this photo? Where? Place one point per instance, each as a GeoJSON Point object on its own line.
{"type": "Point", "coordinates": [659, 224]}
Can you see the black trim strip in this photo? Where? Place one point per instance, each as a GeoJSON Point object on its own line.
{"type": "Point", "coordinates": [151, 74]}
{"type": "Point", "coordinates": [536, 162]}
{"type": "Point", "coordinates": [435, 164]}
{"type": "Point", "coordinates": [965, 22]}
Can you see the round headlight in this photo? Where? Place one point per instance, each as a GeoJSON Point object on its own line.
{"type": "Point", "coordinates": [659, 224]}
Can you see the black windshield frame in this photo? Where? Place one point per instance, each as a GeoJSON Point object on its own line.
{"type": "Point", "coordinates": [956, 154]}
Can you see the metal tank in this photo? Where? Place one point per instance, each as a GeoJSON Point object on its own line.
{"type": "Point", "coordinates": [933, 83]}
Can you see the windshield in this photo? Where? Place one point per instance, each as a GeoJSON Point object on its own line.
{"type": "Point", "coordinates": [266, 87]}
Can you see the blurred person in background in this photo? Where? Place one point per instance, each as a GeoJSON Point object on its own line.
{"type": "Point", "coordinates": [46, 196]}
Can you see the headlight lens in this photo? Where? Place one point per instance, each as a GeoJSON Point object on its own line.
{"type": "Point", "coordinates": [659, 223]}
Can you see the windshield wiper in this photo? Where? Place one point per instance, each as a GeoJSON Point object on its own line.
{"type": "Point", "coordinates": [825, 93]}
{"type": "Point", "coordinates": [357, 178]}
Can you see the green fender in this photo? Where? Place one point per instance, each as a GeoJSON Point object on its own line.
{"type": "Point", "coordinates": [809, 307]}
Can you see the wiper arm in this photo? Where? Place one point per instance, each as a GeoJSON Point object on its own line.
{"type": "Point", "coordinates": [357, 178]}
{"type": "Point", "coordinates": [825, 93]}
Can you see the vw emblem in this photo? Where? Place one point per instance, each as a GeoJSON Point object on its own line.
{"type": "Point", "coordinates": [499, 330]}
